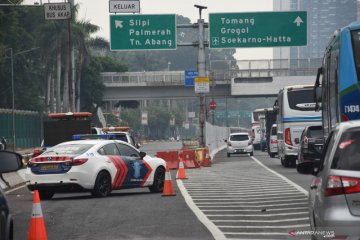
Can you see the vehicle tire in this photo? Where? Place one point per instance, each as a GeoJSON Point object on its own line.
{"type": "Point", "coordinates": [282, 161]}
{"type": "Point", "coordinates": [252, 153]}
{"type": "Point", "coordinates": [228, 154]}
{"type": "Point", "coordinates": [159, 178]}
{"type": "Point", "coordinates": [45, 194]}
{"type": "Point", "coordinates": [288, 162]}
{"type": "Point", "coordinates": [102, 186]}
{"type": "Point", "coordinates": [272, 155]}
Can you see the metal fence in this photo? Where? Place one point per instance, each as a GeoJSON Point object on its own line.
{"type": "Point", "coordinates": [27, 128]}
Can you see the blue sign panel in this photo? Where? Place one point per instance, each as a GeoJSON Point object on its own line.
{"type": "Point", "coordinates": [189, 77]}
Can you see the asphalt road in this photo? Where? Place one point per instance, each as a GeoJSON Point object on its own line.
{"type": "Point", "coordinates": [139, 214]}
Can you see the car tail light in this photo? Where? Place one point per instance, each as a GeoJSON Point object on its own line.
{"type": "Point", "coordinates": [288, 136]}
{"type": "Point", "coordinates": [337, 185]}
{"type": "Point", "coordinates": [273, 141]}
{"type": "Point", "coordinates": [344, 118]}
{"type": "Point", "coordinates": [77, 162]}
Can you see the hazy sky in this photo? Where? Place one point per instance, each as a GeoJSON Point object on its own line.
{"type": "Point", "coordinates": [97, 12]}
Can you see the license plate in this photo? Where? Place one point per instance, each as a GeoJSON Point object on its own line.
{"type": "Point", "coordinates": [240, 150]}
{"type": "Point", "coordinates": [46, 167]}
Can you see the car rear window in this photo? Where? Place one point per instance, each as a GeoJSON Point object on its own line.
{"type": "Point", "coordinates": [315, 132]}
{"type": "Point", "coordinates": [239, 137]}
{"type": "Point", "coordinates": [69, 149]}
{"type": "Point", "coordinates": [273, 131]}
{"type": "Point", "coordinates": [347, 155]}
{"type": "Point", "coordinates": [301, 100]}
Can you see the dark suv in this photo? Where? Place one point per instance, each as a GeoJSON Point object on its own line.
{"type": "Point", "coordinates": [311, 144]}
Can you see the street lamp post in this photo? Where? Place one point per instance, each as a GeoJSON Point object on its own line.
{"type": "Point", "coordinates": [13, 99]}
{"type": "Point", "coordinates": [12, 55]}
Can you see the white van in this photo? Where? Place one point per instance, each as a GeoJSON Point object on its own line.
{"type": "Point", "coordinates": [256, 136]}
{"type": "Point", "coordinates": [295, 109]}
{"type": "Point", "coordinates": [273, 143]}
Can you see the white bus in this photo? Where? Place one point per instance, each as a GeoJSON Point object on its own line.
{"type": "Point", "coordinates": [257, 129]}
{"type": "Point", "coordinates": [295, 109]}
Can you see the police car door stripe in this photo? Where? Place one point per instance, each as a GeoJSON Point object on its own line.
{"type": "Point", "coordinates": [149, 170]}
{"type": "Point", "coordinates": [121, 171]}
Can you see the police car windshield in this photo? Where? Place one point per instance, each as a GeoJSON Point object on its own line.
{"type": "Point", "coordinates": [70, 149]}
{"type": "Point", "coordinates": [120, 136]}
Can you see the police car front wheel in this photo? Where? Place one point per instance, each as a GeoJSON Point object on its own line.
{"type": "Point", "coordinates": [158, 184]}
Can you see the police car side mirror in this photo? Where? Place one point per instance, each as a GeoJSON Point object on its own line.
{"type": "Point", "coordinates": [142, 155]}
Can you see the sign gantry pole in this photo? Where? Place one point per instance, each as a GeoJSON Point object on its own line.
{"type": "Point", "coordinates": [202, 74]}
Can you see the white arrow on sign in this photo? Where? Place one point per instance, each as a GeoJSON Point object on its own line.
{"type": "Point", "coordinates": [298, 21]}
{"type": "Point", "coordinates": [118, 24]}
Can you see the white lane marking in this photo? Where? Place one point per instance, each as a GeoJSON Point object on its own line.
{"type": "Point", "coordinates": [245, 192]}
{"type": "Point", "coordinates": [256, 215]}
{"type": "Point", "coordinates": [244, 197]}
{"type": "Point", "coordinates": [263, 221]}
{"type": "Point", "coordinates": [256, 233]}
{"type": "Point", "coordinates": [283, 177]}
{"type": "Point", "coordinates": [292, 197]}
{"type": "Point", "coordinates": [214, 230]}
{"type": "Point", "coordinates": [254, 210]}
{"type": "Point", "coordinates": [260, 227]}
{"type": "Point", "coordinates": [14, 189]}
{"type": "Point", "coordinates": [240, 186]}
{"type": "Point", "coordinates": [247, 206]}
{"type": "Point", "coordinates": [256, 202]}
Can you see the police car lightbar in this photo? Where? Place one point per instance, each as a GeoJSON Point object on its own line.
{"type": "Point", "coordinates": [69, 115]}
{"type": "Point", "coordinates": [109, 129]}
{"type": "Point", "coordinates": [93, 136]}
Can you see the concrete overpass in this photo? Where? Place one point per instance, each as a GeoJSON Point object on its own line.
{"type": "Point", "coordinates": [253, 78]}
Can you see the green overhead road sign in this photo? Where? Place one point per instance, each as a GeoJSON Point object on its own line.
{"type": "Point", "coordinates": [257, 29]}
{"type": "Point", "coordinates": [142, 32]}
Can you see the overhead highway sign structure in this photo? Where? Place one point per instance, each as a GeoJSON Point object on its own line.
{"type": "Point", "coordinates": [257, 29]}
{"type": "Point", "coordinates": [57, 11]}
{"type": "Point", "coordinates": [124, 6]}
{"type": "Point", "coordinates": [143, 32]}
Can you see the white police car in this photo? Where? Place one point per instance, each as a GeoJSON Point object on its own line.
{"type": "Point", "coordinates": [98, 166]}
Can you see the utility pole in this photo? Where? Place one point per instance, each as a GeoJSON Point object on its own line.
{"type": "Point", "coordinates": [200, 25]}
{"type": "Point", "coordinates": [201, 73]}
{"type": "Point", "coordinates": [71, 106]}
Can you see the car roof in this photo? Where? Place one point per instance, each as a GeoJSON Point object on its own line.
{"type": "Point", "coordinates": [239, 133]}
{"type": "Point", "coordinates": [95, 141]}
{"type": "Point", "coordinates": [348, 124]}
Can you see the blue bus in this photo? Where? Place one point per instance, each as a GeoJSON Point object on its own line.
{"type": "Point", "coordinates": [337, 89]}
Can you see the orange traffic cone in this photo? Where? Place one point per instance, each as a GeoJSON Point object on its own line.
{"type": "Point", "coordinates": [37, 229]}
{"type": "Point", "coordinates": [206, 160]}
{"type": "Point", "coordinates": [181, 171]}
{"type": "Point", "coordinates": [168, 186]}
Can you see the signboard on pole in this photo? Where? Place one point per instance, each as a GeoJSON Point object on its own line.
{"type": "Point", "coordinates": [257, 29]}
{"type": "Point", "coordinates": [202, 85]}
{"type": "Point", "coordinates": [124, 6]}
{"type": "Point", "coordinates": [143, 32]}
{"type": "Point", "coordinates": [144, 118]}
{"type": "Point", "coordinates": [190, 76]}
{"type": "Point", "coordinates": [57, 11]}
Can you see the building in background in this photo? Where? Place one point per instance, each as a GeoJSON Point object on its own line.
{"type": "Point", "coordinates": [324, 17]}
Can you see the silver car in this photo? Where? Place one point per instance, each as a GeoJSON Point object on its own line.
{"type": "Point", "coordinates": [334, 196]}
{"type": "Point", "coordinates": [239, 143]}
